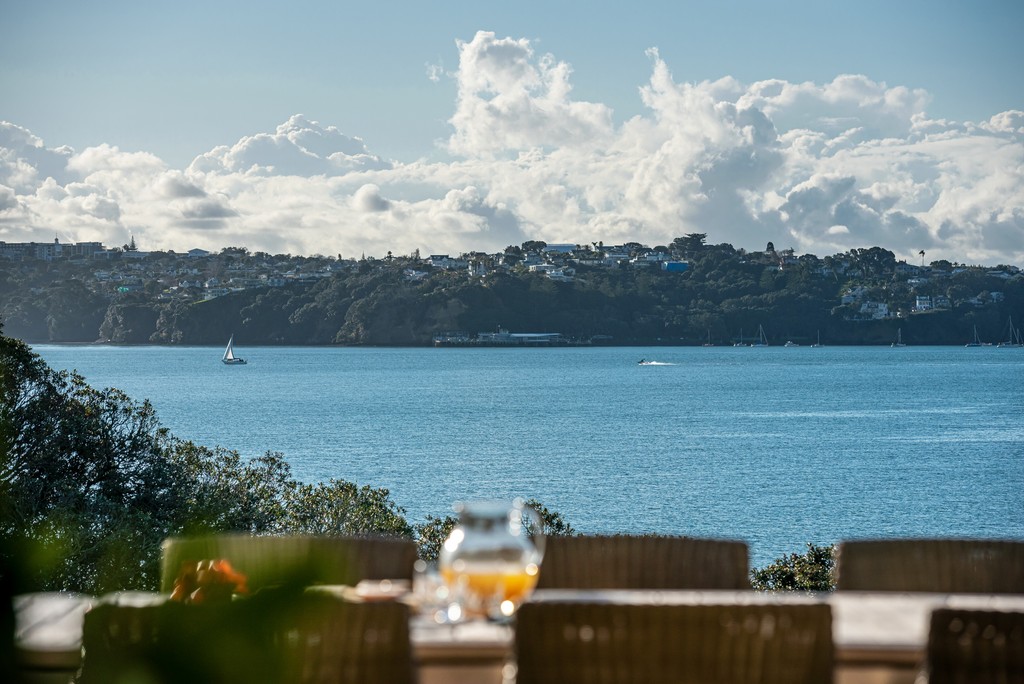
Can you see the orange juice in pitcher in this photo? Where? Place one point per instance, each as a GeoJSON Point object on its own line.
{"type": "Point", "coordinates": [491, 562]}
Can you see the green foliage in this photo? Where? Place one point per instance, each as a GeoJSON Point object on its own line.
{"type": "Point", "coordinates": [226, 493]}
{"type": "Point", "coordinates": [338, 507]}
{"type": "Point", "coordinates": [129, 323]}
{"type": "Point", "coordinates": [91, 485]}
{"type": "Point", "coordinates": [83, 477]}
{"type": "Point", "coordinates": [690, 244]}
{"type": "Point", "coordinates": [374, 303]}
{"type": "Point", "coordinates": [811, 571]}
{"type": "Point", "coordinates": [431, 535]}
{"type": "Point", "coordinates": [555, 524]}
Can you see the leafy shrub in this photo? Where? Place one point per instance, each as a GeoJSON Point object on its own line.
{"type": "Point", "coordinates": [811, 571]}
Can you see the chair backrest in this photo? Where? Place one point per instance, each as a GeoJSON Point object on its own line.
{"type": "Point", "coordinates": [643, 562]}
{"type": "Point", "coordinates": [985, 566]}
{"type": "Point", "coordinates": [975, 647]}
{"type": "Point", "coordinates": [339, 642]}
{"type": "Point", "coordinates": [270, 560]}
{"type": "Point", "coordinates": [172, 643]}
{"type": "Point", "coordinates": [283, 638]}
{"type": "Point", "coordinates": [607, 643]}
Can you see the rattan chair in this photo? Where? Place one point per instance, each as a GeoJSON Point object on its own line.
{"type": "Point", "coordinates": [643, 562]}
{"type": "Point", "coordinates": [932, 565]}
{"type": "Point", "coordinates": [607, 643]}
{"type": "Point", "coordinates": [299, 559]}
{"type": "Point", "coordinates": [975, 647]}
{"type": "Point", "coordinates": [353, 643]}
{"type": "Point", "coordinates": [275, 637]}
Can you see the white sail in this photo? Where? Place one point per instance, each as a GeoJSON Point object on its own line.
{"type": "Point", "coordinates": [229, 353]}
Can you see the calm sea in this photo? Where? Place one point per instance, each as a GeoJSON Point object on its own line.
{"type": "Point", "coordinates": [775, 446]}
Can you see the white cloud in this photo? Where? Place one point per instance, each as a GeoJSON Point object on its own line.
{"type": "Point", "coordinates": [8, 200]}
{"type": "Point", "coordinates": [819, 167]}
{"type": "Point", "coordinates": [368, 199]}
{"type": "Point", "coordinates": [176, 185]}
{"type": "Point", "coordinates": [298, 147]}
{"type": "Point", "coordinates": [435, 72]}
{"type": "Point", "coordinates": [508, 100]}
{"type": "Point", "coordinates": [25, 161]}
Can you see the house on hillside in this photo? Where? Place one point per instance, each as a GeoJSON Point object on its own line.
{"type": "Point", "coordinates": [559, 249]}
{"type": "Point", "coordinates": [875, 310]}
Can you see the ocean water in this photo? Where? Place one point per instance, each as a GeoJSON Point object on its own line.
{"type": "Point", "coordinates": [774, 446]}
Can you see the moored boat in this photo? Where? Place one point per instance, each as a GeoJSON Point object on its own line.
{"type": "Point", "coordinates": [976, 342]}
{"type": "Point", "coordinates": [762, 340]}
{"type": "Point", "coordinates": [1014, 339]}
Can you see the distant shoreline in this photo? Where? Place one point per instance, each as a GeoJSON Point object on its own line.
{"type": "Point", "coordinates": [603, 345]}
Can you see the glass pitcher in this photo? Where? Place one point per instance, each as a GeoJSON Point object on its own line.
{"type": "Point", "coordinates": [491, 560]}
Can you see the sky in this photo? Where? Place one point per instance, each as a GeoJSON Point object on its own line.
{"type": "Point", "coordinates": [444, 127]}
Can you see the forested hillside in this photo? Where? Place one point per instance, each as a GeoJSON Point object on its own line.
{"type": "Point", "coordinates": [859, 297]}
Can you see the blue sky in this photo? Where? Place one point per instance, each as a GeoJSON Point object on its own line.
{"type": "Point", "coordinates": [177, 81]}
{"type": "Point", "coordinates": [178, 78]}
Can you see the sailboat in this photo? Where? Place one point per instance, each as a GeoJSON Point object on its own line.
{"type": "Point", "coordinates": [976, 342]}
{"type": "Point", "coordinates": [229, 354]}
{"type": "Point", "coordinates": [741, 343]}
{"type": "Point", "coordinates": [1014, 340]}
{"type": "Point", "coordinates": [761, 340]}
{"type": "Point", "coordinates": [709, 343]}
{"type": "Point", "coordinates": [818, 343]}
{"type": "Point", "coordinates": [899, 338]}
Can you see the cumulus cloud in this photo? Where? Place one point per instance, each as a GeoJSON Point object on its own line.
{"type": "Point", "coordinates": [368, 199]}
{"type": "Point", "coordinates": [206, 208]}
{"type": "Point", "coordinates": [820, 167]}
{"type": "Point", "coordinates": [25, 161]}
{"type": "Point", "coordinates": [298, 147]}
{"type": "Point", "coordinates": [175, 185]}
{"type": "Point", "coordinates": [7, 198]}
{"type": "Point", "coordinates": [508, 99]}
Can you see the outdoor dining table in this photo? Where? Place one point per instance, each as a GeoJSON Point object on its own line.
{"type": "Point", "coordinates": [879, 638]}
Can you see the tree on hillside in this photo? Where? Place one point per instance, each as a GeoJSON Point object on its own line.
{"type": "Point", "coordinates": [689, 244]}
{"type": "Point", "coordinates": [83, 475]}
{"type": "Point", "coordinates": [874, 262]}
